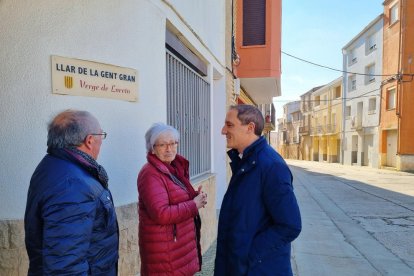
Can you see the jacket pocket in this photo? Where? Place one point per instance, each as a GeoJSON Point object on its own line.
{"type": "Point", "coordinates": [277, 257]}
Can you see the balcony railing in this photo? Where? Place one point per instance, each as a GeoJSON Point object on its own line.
{"type": "Point", "coordinates": [331, 128]}
{"type": "Point", "coordinates": [295, 139]}
{"type": "Point", "coordinates": [356, 123]}
{"type": "Point", "coordinates": [304, 130]}
{"type": "Point", "coordinates": [318, 130]}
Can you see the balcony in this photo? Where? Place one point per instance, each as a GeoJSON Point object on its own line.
{"type": "Point", "coordinates": [295, 139]}
{"type": "Point", "coordinates": [331, 128]}
{"type": "Point", "coordinates": [356, 123]}
{"type": "Point", "coordinates": [305, 107]}
{"type": "Point", "coordinates": [318, 130]}
{"type": "Point", "coordinates": [257, 62]}
{"type": "Point", "coordinates": [304, 130]}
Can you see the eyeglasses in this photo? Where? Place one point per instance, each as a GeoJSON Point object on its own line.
{"type": "Point", "coordinates": [103, 134]}
{"type": "Point", "coordinates": [165, 146]}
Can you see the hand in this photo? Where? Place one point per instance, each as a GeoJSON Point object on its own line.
{"type": "Point", "coordinates": [201, 199]}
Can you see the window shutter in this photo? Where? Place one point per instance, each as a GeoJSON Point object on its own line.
{"type": "Point", "coordinates": [254, 22]}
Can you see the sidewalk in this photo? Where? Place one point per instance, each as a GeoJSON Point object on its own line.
{"type": "Point", "coordinates": [208, 261]}
{"type": "Point", "coordinates": [332, 241]}
{"type": "Point", "coordinates": [356, 220]}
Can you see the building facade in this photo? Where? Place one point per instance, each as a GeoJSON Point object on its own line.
{"type": "Point", "coordinates": [176, 61]}
{"type": "Point", "coordinates": [362, 66]}
{"type": "Point", "coordinates": [325, 128]}
{"type": "Point", "coordinates": [396, 128]}
{"type": "Point", "coordinates": [289, 130]}
{"type": "Point", "coordinates": [306, 108]}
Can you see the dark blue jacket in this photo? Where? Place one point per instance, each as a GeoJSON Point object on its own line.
{"type": "Point", "coordinates": [70, 222]}
{"type": "Point", "coordinates": [259, 216]}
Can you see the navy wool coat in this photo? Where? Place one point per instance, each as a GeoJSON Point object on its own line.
{"type": "Point", "coordinates": [259, 216]}
{"type": "Point", "coordinates": [70, 222]}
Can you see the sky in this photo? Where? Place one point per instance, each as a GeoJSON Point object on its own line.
{"type": "Point", "coordinates": [317, 31]}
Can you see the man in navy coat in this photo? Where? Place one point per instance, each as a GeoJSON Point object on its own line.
{"type": "Point", "coordinates": [70, 221]}
{"type": "Point", "coordinates": [259, 216]}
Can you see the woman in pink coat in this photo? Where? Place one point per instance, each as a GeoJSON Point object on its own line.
{"type": "Point", "coordinates": [169, 222]}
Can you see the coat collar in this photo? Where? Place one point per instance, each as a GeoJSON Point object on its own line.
{"type": "Point", "coordinates": [252, 149]}
{"type": "Point", "coordinates": [249, 155]}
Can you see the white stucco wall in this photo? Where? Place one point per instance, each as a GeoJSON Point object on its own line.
{"type": "Point", "coordinates": [206, 19]}
{"type": "Point", "coordinates": [127, 33]}
{"type": "Point", "coordinates": [364, 92]}
{"type": "Point", "coordinates": [218, 145]}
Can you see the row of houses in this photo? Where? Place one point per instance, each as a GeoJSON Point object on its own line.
{"type": "Point", "coordinates": [363, 117]}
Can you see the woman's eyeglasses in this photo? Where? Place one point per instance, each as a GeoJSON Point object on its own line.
{"type": "Point", "coordinates": [165, 145]}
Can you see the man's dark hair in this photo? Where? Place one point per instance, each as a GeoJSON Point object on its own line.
{"type": "Point", "coordinates": [250, 114]}
{"type": "Point", "coordinates": [70, 128]}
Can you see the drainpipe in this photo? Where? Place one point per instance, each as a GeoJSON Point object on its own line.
{"type": "Point", "coordinates": [400, 74]}
{"type": "Point", "coordinates": [344, 89]}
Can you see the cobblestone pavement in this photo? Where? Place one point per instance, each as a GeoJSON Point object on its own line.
{"type": "Point", "coordinates": [208, 261]}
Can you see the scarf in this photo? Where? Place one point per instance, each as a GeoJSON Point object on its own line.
{"type": "Point", "coordinates": [84, 160]}
{"type": "Point", "coordinates": [177, 174]}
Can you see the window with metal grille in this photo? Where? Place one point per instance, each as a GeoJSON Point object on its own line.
{"type": "Point", "coordinates": [188, 110]}
{"type": "Point", "coordinates": [254, 22]}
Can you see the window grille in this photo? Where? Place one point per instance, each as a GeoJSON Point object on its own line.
{"type": "Point", "coordinates": [188, 110]}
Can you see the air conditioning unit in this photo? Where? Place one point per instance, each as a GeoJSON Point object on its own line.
{"type": "Point", "coordinates": [236, 86]}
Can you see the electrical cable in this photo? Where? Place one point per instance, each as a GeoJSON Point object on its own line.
{"type": "Point", "coordinates": [337, 70]}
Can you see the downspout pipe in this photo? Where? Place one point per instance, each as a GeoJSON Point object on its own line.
{"type": "Point", "coordinates": [400, 74]}
{"type": "Point", "coordinates": [344, 91]}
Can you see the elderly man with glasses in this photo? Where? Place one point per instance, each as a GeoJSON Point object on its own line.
{"type": "Point", "coordinates": [70, 222]}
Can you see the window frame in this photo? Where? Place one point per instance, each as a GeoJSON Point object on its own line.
{"type": "Point", "coordinates": [371, 43]}
{"type": "Point", "coordinates": [348, 110]}
{"type": "Point", "coordinates": [338, 89]}
{"type": "Point", "coordinates": [317, 101]}
{"type": "Point", "coordinates": [352, 83]}
{"type": "Point", "coordinates": [254, 23]}
{"type": "Point", "coordinates": [370, 73]}
{"type": "Point", "coordinates": [372, 105]}
{"type": "Point", "coordinates": [352, 59]}
{"type": "Point", "coordinates": [391, 91]}
{"type": "Point", "coordinates": [394, 14]}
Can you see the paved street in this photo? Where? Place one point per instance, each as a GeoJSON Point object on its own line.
{"type": "Point", "coordinates": [356, 220]}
